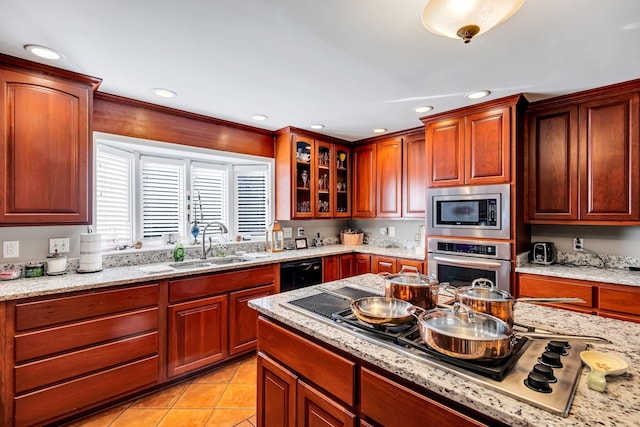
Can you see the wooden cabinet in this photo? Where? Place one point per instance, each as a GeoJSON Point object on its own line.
{"type": "Point", "coordinates": [347, 266]}
{"type": "Point", "coordinates": [584, 158]}
{"type": "Point", "coordinates": [364, 181]}
{"type": "Point", "coordinates": [471, 146]}
{"type": "Point", "coordinates": [312, 177]}
{"type": "Point", "coordinates": [79, 351]}
{"type": "Point", "coordinates": [379, 394]}
{"type": "Point", "coordinates": [417, 264]}
{"type": "Point", "coordinates": [336, 267]}
{"type": "Point", "coordinates": [382, 264]}
{"type": "Point", "coordinates": [362, 264]}
{"type": "Point", "coordinates": [243, 320]}
{"type": "Point", "coordinates": [276, 394]}
{"type": "Point", "coordinates": [603, 299]}
{"type": "Point", "coordinates": [389, 178]}
{"type": "Point", "coordinates": [45, 147]}
{"type": "Point", "coordinates": [317, 409]}
{"type": "Point", "coordinates": [414, 176]}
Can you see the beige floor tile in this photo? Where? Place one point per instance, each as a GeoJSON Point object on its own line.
{"type": "Point", "coordinates": [221, 375]}
{"type": "Point", "coordinates": [250, 360]}
{"type": "Point", "coordinates": [185, 418]}
{"type": "Point", "coordinates": [254, 419]}
{"type": "Point", "coordinates": [200, 396]}
{"type": "Point", "coordinates": [228, 417]}
{"type": "Point", "coordinates": [139, 417]}
{"type": "Point", "coordinates": [245, 423]}
{"type": "Point", "coordinates": [238, 396]}
{"type": "Point", "coordinates": [161, 399]}
{"type": "Point", "coordinates": [246, 374]}
{"type": "Point", "coordinates": [101, 419]}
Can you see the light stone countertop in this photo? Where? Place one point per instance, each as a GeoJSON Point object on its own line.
{"type": "Point", "coordinates": [607, 275]}
{"type": "Point", "coordinates": [618, 406]}
{"type": "Point", "coordinates": [129, 274]}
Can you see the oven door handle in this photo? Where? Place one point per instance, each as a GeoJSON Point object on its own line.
{"type": "Point", "coordinates": [493, 265]}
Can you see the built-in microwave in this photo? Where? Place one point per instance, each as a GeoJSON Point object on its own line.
{"type": "Point", "coordinates": [470, 211]}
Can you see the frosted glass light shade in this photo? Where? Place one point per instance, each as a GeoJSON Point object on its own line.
{"type": "Point", "coordinates": [457, 18]}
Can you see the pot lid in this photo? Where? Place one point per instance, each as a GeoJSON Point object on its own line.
{"type": "Point", "coordinates": [483, 289]}
{"type": "Point", "coordinates": [462, 322]}
{"type": "Point", "coordinates": [411, 276]}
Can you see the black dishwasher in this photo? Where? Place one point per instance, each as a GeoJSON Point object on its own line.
{"type": "Point", "coordinates": [299, 274]}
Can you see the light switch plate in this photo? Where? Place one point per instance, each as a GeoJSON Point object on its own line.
{"type": "Point", "coordinates": [11, 249]}
{"type": "Point", "coordinates": [288, 232]}
{"type": "Point", "coordinates": [392, 231]}
{"type": "Point", "coordinates": [59, 244]}
{"type": "Point", "coordinates": [383, 231]}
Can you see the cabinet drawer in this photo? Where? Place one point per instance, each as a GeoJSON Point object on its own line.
{"type": "Point", "coordinates": [211, 284]}
{"type": "Point", "coordinates": [378, 394]}
{"type": "Point", "coordinates": [309, 360]}
{"type": "Point", "coordinates": [620, 300]}
{"type": "Point", "coordinates": [81, 362]}
{"type": "Point", "coordinates": [30, 345]}
{"type": "Point", "coordinates": [64, 399]}
{"type": "Point", "coordinates": [544, 287]}
{"type": "Point", "coordinates": [39, 314]}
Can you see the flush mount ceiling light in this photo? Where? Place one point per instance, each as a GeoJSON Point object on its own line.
{"type": "Point", "coordinates": [466, 18]}
{"type": "Point", "coordinates": [318, 126]}
{"type": "Point", "coordinates": [380, 130]}
{"type": "Point", "coordinates": [43, 52]}
{"type": "Point", "coordinates": [259, 117]}
{"type": "Point", "coordinates": [164, 93]}
{"type": "Point", "coordinates": [423, 109]}
{"type": "Point", "coordinates": [478, 94]}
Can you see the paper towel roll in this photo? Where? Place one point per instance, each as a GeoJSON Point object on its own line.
{"type": "Point", "coordinates": [90, 253]}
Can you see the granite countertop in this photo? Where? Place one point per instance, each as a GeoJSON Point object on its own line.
{"type": "Point", "coordinates": [72, 281]}
{"type": "Point", "coordinates": [616, 276]}
{"type": "Point", "coordinates": [618, 406]}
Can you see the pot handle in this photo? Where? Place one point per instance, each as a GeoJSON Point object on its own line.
{"type": "Point", "coordinates": [409, 270]}
{"type": "Point", "coordinates": [416, 311]}
{"type": "Point", "coordinates": [384, 274]}
{"type": "Point", "coordinates": [446, 289]}
{"type": "Point", "coordinates": [458, 308]}
{"type": "Point", "coordinates": [485, 283]}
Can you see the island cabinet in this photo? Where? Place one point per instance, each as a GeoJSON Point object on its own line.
{"type": "Point", "coordinates": [313, 176]}
{"type": "Point", "coordinates": [209, 319]}
{"type": "Point", "coordinates": [472, 145]}
{"type": "Point", "coordinates": [304, 383]}
{"type": "Point", "coordinates": [603, 299]}
{"type": "Point", "coordinates": [79, 351]}
{"type": "Point", "coordinates": [45, 147]}
{"type": "Point", "coordinates": [584, 157]}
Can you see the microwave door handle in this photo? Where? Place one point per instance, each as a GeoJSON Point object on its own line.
{"type": "Point", "coordinates": [468, 262]}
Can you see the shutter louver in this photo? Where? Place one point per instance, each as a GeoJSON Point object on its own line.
{"type": "Point", "coordinates": [162, 197]}
{"type": "Point", "coordinates": [210, 181]}
{"type": "Point", "coordinates": [252, 206]}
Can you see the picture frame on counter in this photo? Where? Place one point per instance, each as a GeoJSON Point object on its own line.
{"type": "Point", "coordinates": [301, 243]}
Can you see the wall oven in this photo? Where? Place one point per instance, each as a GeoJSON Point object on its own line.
{"type": "Point", "coordinates": [471, 211]}
{"type": "Point", "coordinates": [459, 262]}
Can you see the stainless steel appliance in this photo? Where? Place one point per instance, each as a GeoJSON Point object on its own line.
{"type": "Point", "coordinates": [301, 273]}
{"type": "Point", "coordinates": [543, 373]}
{"type": "Point", "coordinates": [543, 253]}
{"type": "Point", "coordinates": [459, 262]}
{"type": "Point", "coordinates": [470, 211]}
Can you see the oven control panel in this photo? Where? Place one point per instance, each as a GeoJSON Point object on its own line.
{"type": "Point", "coordinates": [465, 248]}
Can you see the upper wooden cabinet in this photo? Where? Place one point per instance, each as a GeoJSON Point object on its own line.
{"type": "Point", "coordinates": [414, 176]}
{"type": "Point", "coordinates": [473, 145]}
{"type": "Point", "coordinates": [389, 178]}
{"type": "Point", "coordinates": [312, 177]}
{"type": "Point", "coordinates": [364, 180]}
{"type": "Point", "coordinates": [584, 158]}
{"type": "Point", "coordinates": [45, 147]}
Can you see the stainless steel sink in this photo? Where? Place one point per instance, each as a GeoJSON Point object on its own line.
{"type": "Point", "coordinates": [209, 262]}
{"type": "Point", "coordinates": [190, 264]}
{"type": "Point", "coordinates": [226, 260]}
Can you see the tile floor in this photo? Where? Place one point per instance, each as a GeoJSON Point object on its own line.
{"type": "Point", "coordinates": [225, 397]}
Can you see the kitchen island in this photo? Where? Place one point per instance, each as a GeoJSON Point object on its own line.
{"type": "Point", "coordinates": [619, 405]}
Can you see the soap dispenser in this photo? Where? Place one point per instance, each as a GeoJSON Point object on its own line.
{"type": "Point", "coordinates": [178, 253]}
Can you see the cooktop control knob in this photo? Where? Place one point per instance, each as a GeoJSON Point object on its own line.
{"type": "Point", "coordinates": [559, 347]}
{"type": "Point", "coordinates": [537, 382]}
{"type": "Point", "coordinates": [550, 358]}
{"type": "Point", "coordinates": [545, 370]}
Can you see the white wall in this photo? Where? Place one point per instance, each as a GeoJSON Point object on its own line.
{"type": "Point", "coordinates": [34, 241]}
{"type": "Point", "coordinates": [619, 241]}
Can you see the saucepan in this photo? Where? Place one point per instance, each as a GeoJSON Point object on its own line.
{"type": "Point", "coordinates": [462, 333]}
{"type": "Point", "coordinates": [410, 285]}
{"type": "Point", "coordinates": [380, 311]}
{"type": "Point", "coordinates": [484, 297]}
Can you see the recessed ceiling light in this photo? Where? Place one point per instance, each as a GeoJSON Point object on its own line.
{"type": "Point", "coordinates": [478, 94]}
{"type": "Point", "coordinates": [380, 130]}
{"type": "Point", "coordinates": [42, 52]}
{"type": "Point", "coordinates": [164, 93]}
{"type": "Point", "coordinates": [422, 109]}
{"type": "Point", "coordinates": [259, 117]}
{"type": "Point", "coordinates": [318, 126]}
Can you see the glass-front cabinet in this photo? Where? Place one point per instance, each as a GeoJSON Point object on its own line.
{"type": "Point", "coordinates": [304, 159]}
{"type": "Point", "coordinates": [324, 179]}
{"type": "Point", "coordinates": [342, 182]}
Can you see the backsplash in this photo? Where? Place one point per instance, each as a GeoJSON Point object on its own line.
{"type": "Point", "coordinates": [586, 259]}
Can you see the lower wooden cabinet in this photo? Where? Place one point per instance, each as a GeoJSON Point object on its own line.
{"type": "Point", "coordinates": [382, 264]}
{"type": "Point", "coordinates": [336, 267]}
{"type": "Point", "coordinates": [419, 265]}
{"type": "Point", "coordinates": [276, 394]}
{"type": "Point", "coordinates": [318, 409]}
{"type": "Point", "coordinates": [347, 266]}
{"type": "Point", "coordinates": [243, 320]}
{"type": "Point", "coordinates": [362, 264]}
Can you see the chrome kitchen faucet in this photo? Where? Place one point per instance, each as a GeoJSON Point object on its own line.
{"type": "Point", "coordinates": [204, 236]}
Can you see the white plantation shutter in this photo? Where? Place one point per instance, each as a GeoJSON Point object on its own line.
{"type": "Point", "coordinates": [114, 213]}
{"type": "Point", "coordinates": [162, 196]}
{"type": "Point", "coordinates": [210, 182]}
{"type": "Point", "coordinates": [251, 189]}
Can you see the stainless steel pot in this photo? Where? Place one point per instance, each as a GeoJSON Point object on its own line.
{"type": "Point", "coordinates": [463, 333]}
{"type": "Point", "coordinates": [409, 285]}
{"type": "Point", "coordinates": [484, 297]}
{"type": "Point", "coordinates": [380, 311]}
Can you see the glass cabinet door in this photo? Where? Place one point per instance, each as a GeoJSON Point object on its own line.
{"type": "Point", "coordinates": [324, 180]}
{"type": "Point", "coordinates": [342, 182]}
{"type": "Point", "coordinates": [303, 178]}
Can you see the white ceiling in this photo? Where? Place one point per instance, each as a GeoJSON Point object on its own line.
{"type": "Point", "coordinates": [352, 65]}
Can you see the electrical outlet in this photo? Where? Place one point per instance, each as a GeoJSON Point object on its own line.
{"type": "Point", "coordinates": [300, 232]}
{"type": "Point", "coordinates": [288, 232]}
{"type": "Point", "coordinates": [61, 245]}
{"type": "Point", "coordinates": [392, 232]}
{"type": "Point", "coordinates": [383, 231]}
{"type": "Point", "coordinates": [578, 244]}
{"type": "Point", "coordinates": [11, 249]}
